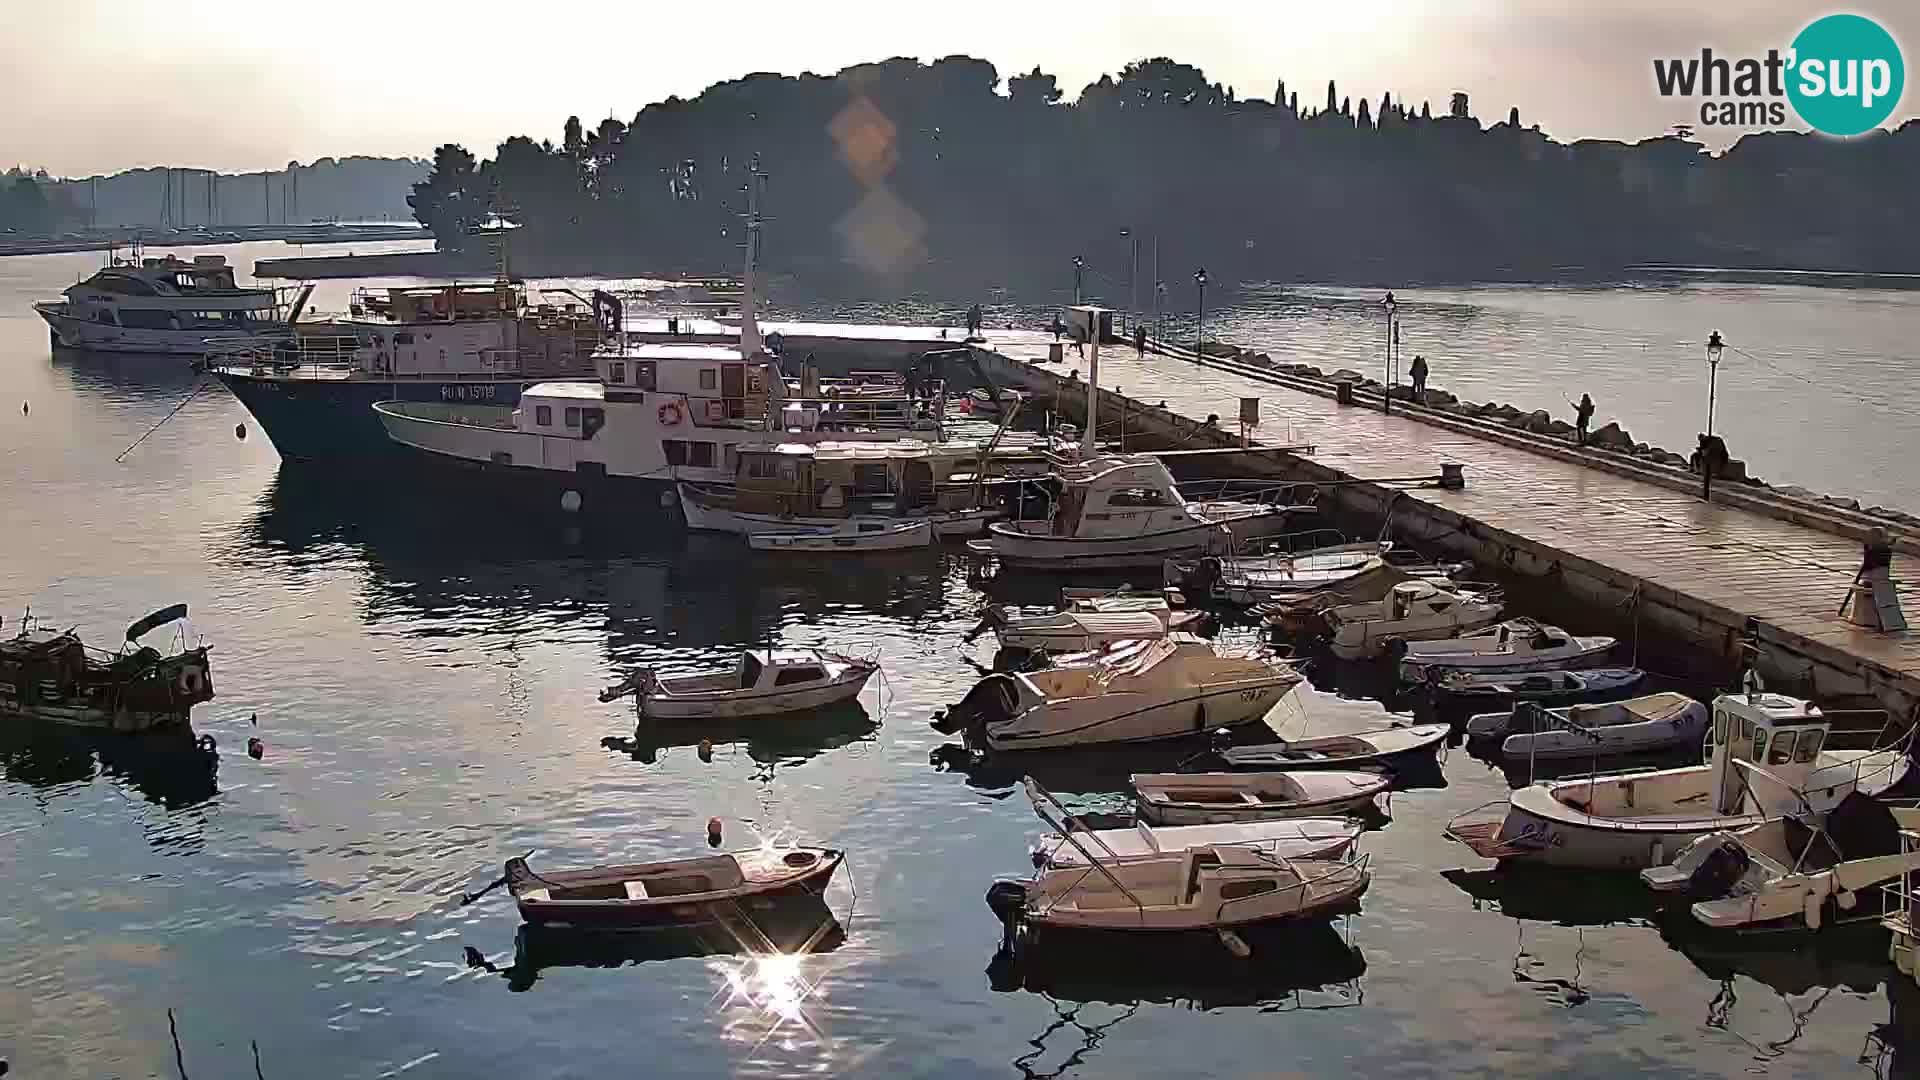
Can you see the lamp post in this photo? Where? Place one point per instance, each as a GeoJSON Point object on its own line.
{"type": "Point", "coordinates": [1200, 331]}
{"type": "Point", "coordinates": [1715, 347]}
{"type": "Point", "coordinates": [1079, 267]}
{"type": "Point", "coordinates": [1386, 381]}
{"type": "Point", "coordinates": [1133, 275]}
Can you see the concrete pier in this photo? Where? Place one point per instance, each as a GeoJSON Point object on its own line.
{"type": "Point", "coordinates": [1641, 547]}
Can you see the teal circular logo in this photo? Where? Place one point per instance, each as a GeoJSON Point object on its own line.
{"type": "Point", "coordinates": [1846, 75]}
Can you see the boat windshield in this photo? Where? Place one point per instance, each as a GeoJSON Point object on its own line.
{"type": "Point", "coordinates": [749, 671]}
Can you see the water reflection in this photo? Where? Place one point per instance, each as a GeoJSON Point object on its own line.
{"type": "Point", "coordinates": [167, 769]}
{"type": "Point", "coordinates": [787, 740]}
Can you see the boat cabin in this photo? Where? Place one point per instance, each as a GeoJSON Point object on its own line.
{"type": "Point", "coordinates": [172, 294]}
{"type": "Point", "coordinates": [1781, 734]}
{"type": "Point", "coordinates": [846, 479]}
{"type": "Point", "coordinates": [1119, 496]}
{"type": "Point", "coordinates": [1409, 599]}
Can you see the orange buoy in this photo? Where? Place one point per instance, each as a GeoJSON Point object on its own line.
{"type": "Point", "coordinates": [713, 832]}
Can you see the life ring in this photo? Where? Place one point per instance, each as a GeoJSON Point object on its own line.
{"type": "Point", "coordinates": [670, 414]}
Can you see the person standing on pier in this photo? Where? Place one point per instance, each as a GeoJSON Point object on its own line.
{"type": "Point", "coordinates": [1582, 416]}
{"type": "Point", "coordinates": [1418, 375]}
{"type": "Point", "coordinates": [973, 321]}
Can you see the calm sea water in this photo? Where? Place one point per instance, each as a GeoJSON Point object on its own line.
{"type": "Point", "coordinates": [423, 671]}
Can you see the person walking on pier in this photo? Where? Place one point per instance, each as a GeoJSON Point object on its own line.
{"type": "Point", "coordinates": [1582, 416]}
{"type": "Point", "coordinates": [1418, 375]}
{"type": "Point", "coordinates": [973, 321]}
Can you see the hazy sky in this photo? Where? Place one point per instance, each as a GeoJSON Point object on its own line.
{"type": "Point", "coordinates": [101, 85]}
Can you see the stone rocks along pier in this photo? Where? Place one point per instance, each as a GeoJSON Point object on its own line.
{"type": "Point", "coordinates": [1627, 537]}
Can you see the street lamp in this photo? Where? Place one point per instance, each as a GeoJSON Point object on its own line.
{"type": "Point", "coordinates": [1386, 380]}
{"type": "Point", "coordinates": [1714, 348]}
{"type": "Point", "coordinates": [1159, 308]}
{"type": "Point", "coordinates": [1079, 267]}
{"type": "Point", "coordinates": [1133, 274]}
{"type": "Point", "coordinates": [1200, 332]}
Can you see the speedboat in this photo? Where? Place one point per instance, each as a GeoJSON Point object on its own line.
{"type": "Point", "coordinates": [1125, 512]}
{"type": "Point", "coordinates": [1495, 693]}
{"type": "Point", "coordinates": [1767, 758]}
{"type": "Point", "coordinates": [1177, 686]}
{"type": "Point", "coordinates": [1412, 611]}
{"type": "Point", "coordinates": [1215, 886]}
{"type": "Point", "coordinates": [1515, 645]}
{"type": "Point", "coordinates": [1636, 725]}
{"type": "Point", "coordinates": [1274, 581]}
{"type": "Point", "coordinates": [762, 684]}
{"type": "Point", "coordinates": [668, 893]}
{"type": "Point", "coordinates": [1799, 870]}
{"type": "Point", "coordinates": [1201, 798]}
{"type": "Point", "coordinates": [855, 536]}
{"type": "Point", "coordinates": [1391, 748]}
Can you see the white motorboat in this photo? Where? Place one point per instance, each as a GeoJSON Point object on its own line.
{"type": "Point", "coordinates": [1514, 645]}
{"type": "Point", "coordinates": [1204, 798]}
{"type": "Point", "coordinates": [1086, 624]}
{"type": "Point", "coordinates": [1767, 758]}
{"type": "Point", "coordinates": [766, 683]}
{"type": "Point", "coordinates": [167, 306]}
{"type": "Point", "coordinates": [1412, 611]}
{"type": "Point", "coordinates": [855, 536]}
{"type": "Point", "coordinates": [1800, 870]}
{"type": "Point", "coordinates": [1125, 512]}
{"type": "Point", "coordinates": [1214, 886]}
{"type": "Point", "coordinates": [1493, 694]}
{"type": "Point", "coordinates": [1392, 748]}
{"type": "Point", "coordinates": [1636, 725]}
{"type": "Point", "coordinates": [1287, 838]}
{"type": "Point", "coordinates": [1177, 686]}
{"type": "Point", "coordinates": [1274, 581]}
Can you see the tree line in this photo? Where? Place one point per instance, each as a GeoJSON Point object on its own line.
{"type": "Point", "coordinates": [933, 174]}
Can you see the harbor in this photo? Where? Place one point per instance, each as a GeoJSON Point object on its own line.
{"type": "Point", "coordinates": [477, 682]}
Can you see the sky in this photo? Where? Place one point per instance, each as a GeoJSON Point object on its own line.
{"type": "Point", "coordinates": [101, 85]}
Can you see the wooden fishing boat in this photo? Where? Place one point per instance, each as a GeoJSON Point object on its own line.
{"type": "Point", "coordinates": [670, 892]}
{"type": "Point", "coordinates": [1204, 798]}
{"type": "Point", "coordinates": [1287, 838]}
{"type": "Point", "coordinates": [856, 536]}
{"type": "Point", "coordinates": [54, 677]}
{"type": "Point", "coordinates": [1394, 747]}
{"type": "Point", "coordinates": [768, 683]}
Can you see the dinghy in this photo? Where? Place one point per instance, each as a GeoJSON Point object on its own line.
{"type": "Point", "coordinates": [856, 536]}
{"type": "Point", "coordinates": [1204, 798]}
{"type": "Point", "coordinates": [1200, 887]}
{"type": "Point", "coordinates": [668, 893]}
{"type": "Point", "coordinates": [1636, 725]}
{"type": "Point", "coordinates": [1798, 871]}
{"type": "Point", "coordinates": [1392, 748]}
{"type": "Point", "coordinates": [1412, 611]}
{"type": "Point", "coordinates": [1177, 686]}
{"type": "Point", "coordinates": [1483, 693]}
{"type": "Point", "coordinates": [1766, 758]}
{"type": "Point", "coordinates": [1515, 645]}
{"type": "Point", "coordinates": [762, 684]}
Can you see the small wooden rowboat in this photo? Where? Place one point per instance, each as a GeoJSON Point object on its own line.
{"type": "Point", "coordinates": [674, 892]}
{"type": "Point", "coordinates": [858, 535]}
{"type": "Point", "coordinates": [1395, 747]}
{"type": "Point", "coordinates": [1206, 798]}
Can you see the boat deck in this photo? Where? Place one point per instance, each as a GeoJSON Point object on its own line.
{"type": "Point", "coordinates": [1792, 577]}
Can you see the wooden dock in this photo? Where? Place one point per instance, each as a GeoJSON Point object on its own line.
{"type": "Point", "coordinates": [1709, 573]}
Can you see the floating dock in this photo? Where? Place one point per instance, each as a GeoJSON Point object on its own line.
{"type": "Point", "coordinates": [1637, 542]}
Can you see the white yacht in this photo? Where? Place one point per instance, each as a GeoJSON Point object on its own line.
{"type": "Point", "coordinates": [1177, 686]}
{"type": "Point", "coordinates": [1123, 512]}
{"type": "Point", "coordinates": [167, 306]}
{"type": "Point", "coordinates": [1767, 757]}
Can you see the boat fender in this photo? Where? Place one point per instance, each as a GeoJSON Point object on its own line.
{"type": "Point", "coordinates": [570, 501]}
{"type": "Point", "coordinates": [1814, 906]}
{"type": "Point", "coordinates": [206, 744]}
{"type": "Point", "coordinates": [188, 681]}
{"type": "Point", "coordinates": [713, 832]}
{"type": "Point", "coordinates": [1235, 944]}
{"type": "Point", "coordinates": [669, 414]}
{"type": "Point", "coordinates": [256, 749]}
{"type": "Point", "coordinates": [1846, 898]}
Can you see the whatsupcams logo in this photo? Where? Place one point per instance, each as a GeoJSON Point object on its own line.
{"type": "Point", "coordinates": [1843, 75]}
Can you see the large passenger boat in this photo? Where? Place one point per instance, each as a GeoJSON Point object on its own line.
{"type": "Point", "coordinates": [167, 306]}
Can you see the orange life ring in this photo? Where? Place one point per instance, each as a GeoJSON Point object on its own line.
{"type": "Point", "coordinates": [670, 414]}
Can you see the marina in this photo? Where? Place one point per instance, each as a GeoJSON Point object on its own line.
{"type": "Point", "coordinates": [414, 560]}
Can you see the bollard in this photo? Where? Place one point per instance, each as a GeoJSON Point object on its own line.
{"type": "Point", "coordinates": [1343, 392]}
{"type": "Point", "coordinates": [1451, 476]}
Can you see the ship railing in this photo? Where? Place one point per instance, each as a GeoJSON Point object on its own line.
{"type": "Point", "coordinates": [281, 354]}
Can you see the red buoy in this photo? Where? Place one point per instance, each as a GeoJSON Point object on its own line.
{"type": "Point", "coordinates": [713, 832]}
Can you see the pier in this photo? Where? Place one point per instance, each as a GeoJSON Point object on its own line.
{"type": "Point", "coordinates": [1630, 541]}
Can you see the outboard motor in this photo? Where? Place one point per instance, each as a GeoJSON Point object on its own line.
{"type": "Point", "coordinates": [1007, 898]}
{"type": "Point", "coordinates": [1717, 873]}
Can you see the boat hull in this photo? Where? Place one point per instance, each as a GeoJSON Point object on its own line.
{"type": "Point", "coordinates": [73, 333]}
{"type": "Point", "coordinates": [1053, 725]}
{"type": "Point", "coordinates": [695, 910]}
{"type": "Point", "coordinates": [742, 705]}
{"type": "Point", "coordinates": [319, 419]}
